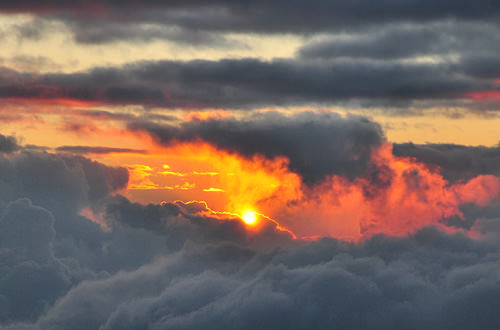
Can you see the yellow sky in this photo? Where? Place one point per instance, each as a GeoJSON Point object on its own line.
{"type": "Point", "coordinates": [435, 127]}
{"type": "Point", "coordinates": [62, 53]}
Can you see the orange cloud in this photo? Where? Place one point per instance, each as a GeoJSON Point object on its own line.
{"type": "Point", "coordinates": [211, 189]}
{"type": "Point", "coordinates": [207, 115]}
{"type": "Point", "coordinates": [405, 197]}
{"type": "Point", "coordinates": [484, 95]}
{"type": "Point", "coordinates": [398, 196]}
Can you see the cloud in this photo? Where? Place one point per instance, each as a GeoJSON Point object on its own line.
{"type": "Point", "coordinates": [31, 278]}
{"type": "Point", "coordinates": [74, 254]}
{"type": "Point", "coordinates": [97, 150]}
{"type": "Point", "coordinates": [8, 144]}
{"type": "Point", "coordinates": [260, 16]}
{"type": "Point", "coordinates": [180, 265]}
{"type": "Point", "coordinates": [102, 180]}
{"type": "Point", "coordinates": [415, 282]}
{"type": "Point", "coordinates": [455, 162]}
{"type": "Point", "coordinates": [442, 40]}
{"type": "Point", "coordinates": [61, 183]}
{"type": "Point", "coordinates": [316, 145]}
{"type": "Point", "coordinates": [393, 42]}
{"type": "Point", "coordinates": [247, 83]}
{"type": "Point", "coordinates": [351, 181]}
{"type": "Point", "coordinates": [45, 245]}
{"type": "Point", "coordinates": [102, 32]}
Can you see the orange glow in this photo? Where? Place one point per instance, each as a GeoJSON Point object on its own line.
{"type": "Point", "coordinates": [405, 195]}
{"type": "Point", "coordinates": [95, 217]}
{"type": "Point", "coordinates": [249, 217]}
{"type": "Point", "coordinates": [54, 101]}
{"type": "Point", "coordinates": [239, 183]}
{"type": "Point", "coordinates": [408, 197]}
{"type": "Point", "coordinates": [484, 95]}
{"type": "Point", "coordinates": [207, 115]}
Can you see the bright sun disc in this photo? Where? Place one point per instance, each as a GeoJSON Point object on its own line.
{"type": "Point", "coordinates": [249, 217]}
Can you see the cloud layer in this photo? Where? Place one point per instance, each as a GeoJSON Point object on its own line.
{"type": "Point", "coordinates": [247, 83]}
{"type": "Point", "coordinates": [180, 265]}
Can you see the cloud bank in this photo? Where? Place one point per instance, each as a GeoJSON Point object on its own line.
{"type": "Point", "coordinates": [180, 265]}
{"type": "Point", "coordinates": [249, 83]}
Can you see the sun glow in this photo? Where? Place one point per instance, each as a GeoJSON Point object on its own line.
{"type": "Point", "coordinates": [405, 195]}
{"type": "Point", "coordinates": [249, 217]}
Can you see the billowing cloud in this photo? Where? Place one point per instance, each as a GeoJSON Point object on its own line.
{"type": "Point", "coordinates": [418, 281]}
{"type": "Point", "coordinates": [456, 162]}
{"type": "Point", "coordinates": [316, 145]}
{"type": "Point", "coordinates": [8, 144]}
{"type": "Point", "coordinates": [349, 179]}
{"type": "Point", "coordinates": [182, 265]}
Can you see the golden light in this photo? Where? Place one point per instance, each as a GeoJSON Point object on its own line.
{"type": "Point", "coordinates": [249, 217]}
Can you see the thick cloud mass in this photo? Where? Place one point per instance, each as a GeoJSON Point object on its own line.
{"type": "Point", "coordinates": [8, 144]}
{"type": "Point", "coordinates": [178, 266]}
{"type": "Point", "coordinates": [317, 145]}
{"type": "Point", "coordinates": [456, 162]}
{"type": "Point", "coordinates": [247, 83]}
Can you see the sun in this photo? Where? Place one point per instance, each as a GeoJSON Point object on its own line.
{"type": "Point", "coordinates": [249, 217]}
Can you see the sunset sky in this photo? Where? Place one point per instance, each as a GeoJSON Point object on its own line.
{"type": "Point", "coordinates": [249, 164]}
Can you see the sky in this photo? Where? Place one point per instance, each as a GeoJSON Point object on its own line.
{"type": "Point", "coordinates": [249, 164]}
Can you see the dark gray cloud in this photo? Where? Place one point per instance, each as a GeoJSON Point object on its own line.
{"type": "Point", "coordinates": [471, 48]}
{"type": "Point", "coordinates": [368, 55]}
{"type": "Point", "coordinates": [264, 16]}
{"type": "Point", "coordinates": [92, 32]}
{"type": "Point", "coordinates": [45, 245]}
{"type": "Point", "coordinates": [456, 162]}
{"type": "Point", "coordinates": [8, 144]}
{"type": "Point", "coordinates": [392, 43]}
{"type": "Point", "coordinates": [180, 222]}
{"type": "Point", "coordinates": [399, 41]}
{"type": "Point", "coordinates": [483, 65]}
{"type": "Point", "coordinates": [317, 145]}
{"type": "Point", "coordinates": [247, 83]}
{"type": "Point", "coordinates": [97, 150]}
{"type": "Point", "coordinates": [102, 180]}
{"type": "Point", "coordinates": [31, 278]}
{"type": "Point", "coordinates": [58, 183]}
{"type": "Point", "coordinates": [427, 280]}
